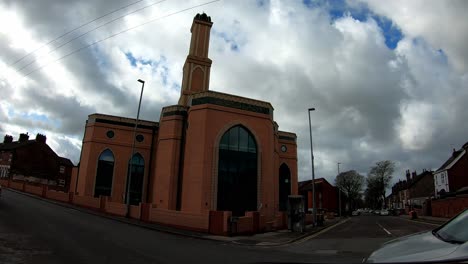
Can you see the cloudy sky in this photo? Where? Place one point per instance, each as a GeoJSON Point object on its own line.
{"type": "Point", "coordinates": [389, 79]}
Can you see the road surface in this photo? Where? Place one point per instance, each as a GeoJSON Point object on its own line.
{"type": "Point", "coordinates": [37, 231]}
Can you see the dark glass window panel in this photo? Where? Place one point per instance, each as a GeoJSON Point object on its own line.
{"type": "Point", "coordinates": [104, 175]}
{"type": "Point", "coordinates": [107, 156]}
{"type": "Point", "coordinates": [110, 134]}
{"type": "Point", "coordinates": [284, 186]}
{"type": "Point", "coordinates": [234, 138]}
{"type": "Point", "coordinates": [237, 172]}
{"type": "Point", "coordinates": [224, 144]}
{"type": "Point", "coordinates": [136, 186]}
{"type": "Point", "coordinates": [140, 138]}
{"type": "Point", "coordinates": [243, 140]}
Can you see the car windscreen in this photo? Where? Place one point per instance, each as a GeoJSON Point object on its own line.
{"type": "Point", "coordinates": [455, 231]}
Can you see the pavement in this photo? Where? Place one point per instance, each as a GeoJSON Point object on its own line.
{"type": "Point", "coordinates": [427, 219]}
{"type": "Point", "coordinates": [267, 239]}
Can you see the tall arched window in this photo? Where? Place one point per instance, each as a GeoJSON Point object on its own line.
{"type": "Point", "coordinates": [237, 172]}
{"type": "Point", "coordinates": [284, 186]}
{"type": "Point", "coordinates": [105, 173]}
{"type": "Point", "coordinates": [138, 171]}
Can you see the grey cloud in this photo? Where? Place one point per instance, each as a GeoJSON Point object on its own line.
{"type": "Point", "coordinates": [301, 61]}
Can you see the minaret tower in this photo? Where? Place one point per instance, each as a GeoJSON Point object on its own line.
{"type": "Point", "coordinates": [196, 75]}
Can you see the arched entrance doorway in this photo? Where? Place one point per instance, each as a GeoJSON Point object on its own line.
{"type": "Point", "coordinates": [237, 172]}
{"type": "Point", "coordinates": [136, 186]}
{"type": "Point", "coordinates": [104, 174]}
{"type": "Point", "coordinates": [284, 186]}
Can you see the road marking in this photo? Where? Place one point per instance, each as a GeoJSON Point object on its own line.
{"type": "Point", "coordinates": [321, 232]}
{"type": "Point", "coordinates": [388, 232]}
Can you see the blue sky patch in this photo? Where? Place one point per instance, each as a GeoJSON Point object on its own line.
{"type": "Point", "coordinates": [262, 3]}
{"type": "Point", "coordinates": [339, 8]}
{"type": "Point", "coordinates": [233, 45]}
{"type": "Point", "coordinates": [391, 32]}
{"type": "Point", "coordinates": [133, 60]}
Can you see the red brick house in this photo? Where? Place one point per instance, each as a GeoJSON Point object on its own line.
{"type": "Point", "coordinates": [400, 197]}
{"type": "Point", "coordinates": [421, 189]}
{"type": "Point", "coordinates": [326, 195]}
{"type": "Point", "coordinates": [34, 161]}
{"type": "Point", "coordinates": [453, 174]}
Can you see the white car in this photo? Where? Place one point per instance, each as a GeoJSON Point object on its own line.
{"type": "Point", "coordinates": [447, 243]}
{"type": "Point", "coordinates": [384, 212]}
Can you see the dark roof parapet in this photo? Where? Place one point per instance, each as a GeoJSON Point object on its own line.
{"type": "Point", "coordinates": [203, 17]}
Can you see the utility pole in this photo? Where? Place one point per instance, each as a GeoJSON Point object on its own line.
{"type": "Point", "coordinates": [339, 190]}
{"type": "Point", "coordinates": [314, 212]}
{"type": "Point", "coordinates": [129, 176]}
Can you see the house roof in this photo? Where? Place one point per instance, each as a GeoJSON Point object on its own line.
{"type": "Point", "coordinates": [65, 161]}
{"type": "Point", "coordinates": [307, 185]}
{"type": "Point", "coordinates": [456, 155]}
{"type": "Point", "coordinates": [15, 144]}
{"type": "Point", "coordinates": [419, 177]}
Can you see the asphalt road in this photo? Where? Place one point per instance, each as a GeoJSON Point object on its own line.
{"type": "Point", "coordinates": [356, 238]}
{"type": "Point", "coordinates": [36, 231]}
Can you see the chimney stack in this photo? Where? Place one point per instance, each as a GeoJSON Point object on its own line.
{"type": "Point", "coordinates": [23, 137]}
{"type": "Point", "coordinates": [413, 175]}
{"type": "Point", "coordinates": [7, 139]}
{"type": "Point", "coordinates": [408, 176]}
{"type": "Point", "coordinates": [41, 138]}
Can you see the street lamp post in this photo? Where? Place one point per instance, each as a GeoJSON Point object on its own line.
{"type": "Point", "coordinates": [314, 212]}
{"type": "Point", "coordinates": [339, 190]}
{"type": "Point", "coordinates": [129, 176]}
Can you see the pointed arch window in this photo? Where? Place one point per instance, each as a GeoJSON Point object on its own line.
{"type": "Point", "coordinates": [104, 174]}
{"type": "Point", "coordinates": [136, 186]}
{"type": "Point", "coordinates": [237, 172]}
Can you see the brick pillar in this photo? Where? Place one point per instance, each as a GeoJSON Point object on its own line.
{"type": "Point", "coordinates": [145, 212]}
{"type": "Point", "coordinates": [70, 197]}
{"type": "Point", "coordinates": [44, 190]}
{"type": "Point", "coordinates": [102, 203]}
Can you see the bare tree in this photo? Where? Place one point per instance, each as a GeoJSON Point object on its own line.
{"type": "Point", "coordinates": [350, 183]}
{"type": "Point", "coordinates": [379, 178]}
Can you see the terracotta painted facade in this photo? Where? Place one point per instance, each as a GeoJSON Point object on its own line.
{"type": "Point", "coordinates": [201, 158]}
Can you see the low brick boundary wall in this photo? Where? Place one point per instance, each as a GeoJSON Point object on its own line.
{"type": "Point", "coordinates": [450, 206]}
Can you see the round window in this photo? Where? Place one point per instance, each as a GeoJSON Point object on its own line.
{"type": "Point", "coordinates": [110, 134]}
{"type": "Point", "coordinates": [140, 138]}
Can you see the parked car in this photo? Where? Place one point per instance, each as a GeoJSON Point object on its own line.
{"type": "Point", "coordinates": [355, 213]}
{"type": "Point", "coordinates": [449, 242]}
{"type": "Point", "coordinates": [377, 212]}
{"type": "Point", "coordinates": [384, 212]}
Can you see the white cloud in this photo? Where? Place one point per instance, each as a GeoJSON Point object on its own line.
{"type": "Point", "coordinates": [442, 23]}
{"type": "Point", "coordinates": [368, 97]}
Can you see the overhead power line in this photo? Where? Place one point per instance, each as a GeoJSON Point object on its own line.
{"type": "Point", "coordinates": [73, 30]}
{"type": "Point", "coordinates": [113, 35]}
{"type": "Point", "coordinates": [91, 30]}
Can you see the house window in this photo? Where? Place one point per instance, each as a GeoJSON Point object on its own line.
{"type": "Point", "coordinates": [443, 179]}
{"type": "Point", "coordinates": [62, 169]}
